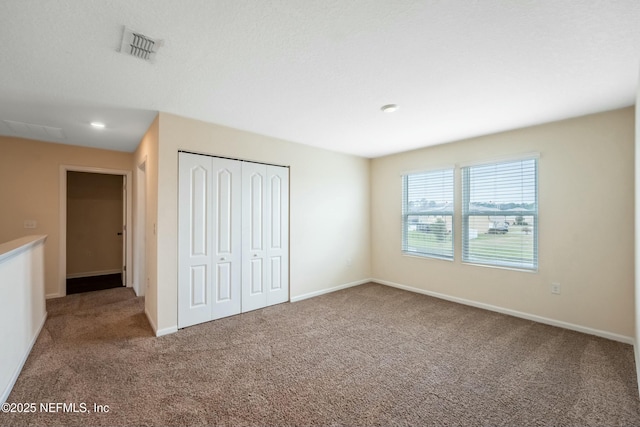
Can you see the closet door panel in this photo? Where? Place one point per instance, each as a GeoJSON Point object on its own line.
{"type": "Point", "coordinates": [254, 213]}
{"type": "Point", "coordinates": [277, 235]}
{"type": "Point", "coordinates": [227, 176]}
{"type": "Point", "coordinates": [194, 240]}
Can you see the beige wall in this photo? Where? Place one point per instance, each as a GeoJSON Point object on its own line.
{"type": "Point", "coordinates": [329, 206]}
{"type": "Point", "coordinates": [586, 220]}
{"type": "Point", "coordinates": [94, 217]}
{"type": "Point", "coordinates": [147, 153]}
{"type": "Point", "coordinates": [345, 213]}
{"type": "Point", "coordinates": [30, 189]}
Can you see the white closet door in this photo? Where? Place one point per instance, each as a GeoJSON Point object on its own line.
{"type": "Point", "coordinates": [254, 218]}
{"type": "Point", "coordinates": [233, 237]}
{"type": "Point", "coordinates": [227, 228]}
{"type": "Point", "coordinates": [194, 240]}
{"type": "Point", "coordinates": [277, 235]}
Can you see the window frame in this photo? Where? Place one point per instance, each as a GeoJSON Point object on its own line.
{"type": "Point", "coordinates": [465, 185]}
{"type": "Point", "coordinates": [406, 213]}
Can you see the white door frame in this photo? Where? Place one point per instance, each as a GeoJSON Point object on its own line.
{"type": "Point", "coordinates": [62, 251]}
{"type": "Point", "coordinates": [139, 242]}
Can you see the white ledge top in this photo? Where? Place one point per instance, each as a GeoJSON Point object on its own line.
{"type": "Point", "coordinates": [14, 247]}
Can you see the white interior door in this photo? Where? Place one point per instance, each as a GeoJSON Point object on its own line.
{"type": "Point", "coordinates": [254, 212]}
{"type": "Point", "coordinates": [194, 239]}
{"type": "Point", "coordinates": [227, 228]}
{"type": "Point", "coordinates": [277, 235]}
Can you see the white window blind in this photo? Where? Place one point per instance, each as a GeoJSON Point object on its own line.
{"type": "Point", "coordinates": [427, 214]}
{"type": "Point", "coordinates": [500, 214]}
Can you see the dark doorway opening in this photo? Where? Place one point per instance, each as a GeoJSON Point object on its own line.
{"type": "Point", "coordinates": [95, 240]}
{"type": "Point", "coordinates": [93, 283]}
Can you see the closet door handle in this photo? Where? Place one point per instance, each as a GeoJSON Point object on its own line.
{"type": "Point", "coordinates": [222, 259]}
{"type": "Point", "coordinates": [255, 255]}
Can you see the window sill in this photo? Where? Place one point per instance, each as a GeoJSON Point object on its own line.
{"type": "Point", "coordinates": [414, 255]}
{"type": "Point", "coordinates": [500, 267]}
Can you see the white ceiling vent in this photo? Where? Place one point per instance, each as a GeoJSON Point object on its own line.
{"type": "Point", "coordinates": [136, 44]}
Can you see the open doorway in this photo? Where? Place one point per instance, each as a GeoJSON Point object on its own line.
{"type": "Point", "coordinates": [95, 231]}
{"type": "Point", "coordinates": [95, 243]}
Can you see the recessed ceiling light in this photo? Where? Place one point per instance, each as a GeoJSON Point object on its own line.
{"type": "Point", "coordinates": [97, 125]}
{"type": "Point", "coordinates": [389, 108]}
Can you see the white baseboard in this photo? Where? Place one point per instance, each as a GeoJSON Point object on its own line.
{"type": "Point", "coordinates": [326, 291]}
{"type": "Point", "coordinates": [522, 315]}
{"type": "Point", "coordinates": [93, 273]}
{"type": "Point", "coordinates": [49, 296]}
{"type": "Point", "coordinates": [160, 332]}
{"type": "Point", "coordinates": [166, 331]}
{"type": "Point", "coordinates": [16, 374]}
{"type": "Point", "coordinates": [151, 322]}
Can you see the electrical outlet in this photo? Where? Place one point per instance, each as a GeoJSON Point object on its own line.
{"type": "Point", "coordinates": [30, 223]}
{"type": "Point", "coordinates": [348, 261]}
{"type": "Point", "coordinates": [555, 288]}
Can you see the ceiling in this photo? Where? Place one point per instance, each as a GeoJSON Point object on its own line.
{"type": "Point", "coordinates": [315, 71]}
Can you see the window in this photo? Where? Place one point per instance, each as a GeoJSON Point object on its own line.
{"type": "Point", "coordinates": [500, 214]}
{"type": "Point", "coordinates": [427, 214]}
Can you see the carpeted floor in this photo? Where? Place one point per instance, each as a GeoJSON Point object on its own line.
{"type": "Point", "coordinates": [369, 355]}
